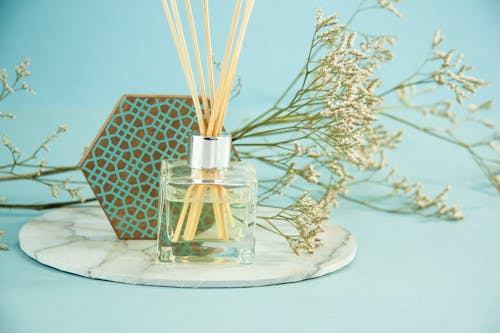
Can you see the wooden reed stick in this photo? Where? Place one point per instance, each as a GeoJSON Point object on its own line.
{"type": "Point", "coordinates": [182, 216]}
{"type": "Point", "coordinates": [211, 121]}
{"type": "Point", "coordinates": [208, 43]}
{"type": "Point", "coordinates": [219, 219]}
{"type": "Point", "coordinates": [180, 43]}
{"type": "Point", "coordinates": [199, 65]}
{"type": "Point", "coordinates": [220, 208]}
{"type": "Point", "coordinates": [195, 212]}
{"type": "Point", "coordinates": [232, 70]}
{"type": "Point", "coordinates": [224, 68]}
{"type": "Point", "coordinates": [227, 207]}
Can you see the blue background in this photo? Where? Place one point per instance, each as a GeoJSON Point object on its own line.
{"type": "Point", "coordinates": [411, 275]}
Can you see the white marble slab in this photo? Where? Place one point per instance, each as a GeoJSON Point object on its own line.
{"type": "Point", "coordinates": [81, 241]}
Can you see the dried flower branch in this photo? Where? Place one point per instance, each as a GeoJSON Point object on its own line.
{"type": "Point", "coordinates": [3, 247]}
{"type": "Point", "coordinates": [328, 137]}
{"type": "Point", "coordinates": [325, 133]}
{"type": "Point", "coordinates": [32, 166]}
{"type": "Point", "coordinates": [9, 88]}
{"type": "Point", "coordinates": [307, 216]}
{"type": "Point", "coordinates": [402, 197]}
{"type": "Point", "coordinates": [446, 70]}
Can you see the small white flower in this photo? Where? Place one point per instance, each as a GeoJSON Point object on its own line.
{"type": "Point", "coordinates": [54, 190]}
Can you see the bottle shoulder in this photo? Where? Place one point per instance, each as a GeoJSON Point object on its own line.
{"type": "Point", "coordinates": [179, 171]}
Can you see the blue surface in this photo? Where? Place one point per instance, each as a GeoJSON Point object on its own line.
{"type": "Point", "coordinates": [410, 275]}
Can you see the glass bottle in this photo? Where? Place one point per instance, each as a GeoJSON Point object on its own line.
{"type": "Point", "coordinates": [207, 205]}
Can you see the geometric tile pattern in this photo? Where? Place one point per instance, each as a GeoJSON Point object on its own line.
{"type": "Point", "coordinates": [122, 165]}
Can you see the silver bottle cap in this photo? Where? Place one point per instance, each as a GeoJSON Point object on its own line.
{"type": "Point", "coordinates": [209, 152]}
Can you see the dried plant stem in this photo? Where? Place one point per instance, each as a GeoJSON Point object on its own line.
{"type": "Point", "coordinates": [46, 205]}
{"type": "Point", "coordinates": [310, 135]}
{"type": "Point", "coordinates": [479, 160]}
{"type": "Point", "coordinates": [38, 174]}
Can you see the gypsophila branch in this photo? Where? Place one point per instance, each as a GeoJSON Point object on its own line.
{"type": "Point", "coordinates": [20, 163]}
{"type": "Point", "coordinates": [46, 206]}
{"type": "Point", "coordinates": [326, 136]}
{"type": "Point", "coordinates": [324, 140]}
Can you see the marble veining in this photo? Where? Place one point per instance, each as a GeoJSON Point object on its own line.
{"type": "Point", "coordinates": [81, 241]}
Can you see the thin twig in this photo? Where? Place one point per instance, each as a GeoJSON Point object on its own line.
{"type": "Point", "coordinates": [45, 206]}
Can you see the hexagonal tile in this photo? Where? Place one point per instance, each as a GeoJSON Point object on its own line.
{"type": "Point", "coordinates": [122, 165]}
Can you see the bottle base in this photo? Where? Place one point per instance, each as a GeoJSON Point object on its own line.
{"type": "Point", "coordinates": [205, 253]}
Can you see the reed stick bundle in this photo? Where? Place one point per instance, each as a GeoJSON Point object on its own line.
{"type": "Point", "coordinates": [211, 114]}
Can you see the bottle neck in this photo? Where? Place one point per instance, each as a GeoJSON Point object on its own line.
{"type": "Point", "coordinates": [209, 152]}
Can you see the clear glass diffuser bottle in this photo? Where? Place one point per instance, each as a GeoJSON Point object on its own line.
{"type": "Point", "coordinates": [207, 205]}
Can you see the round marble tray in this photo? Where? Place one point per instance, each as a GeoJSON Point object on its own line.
{"type": "Point", "coordinates": [81, 241]}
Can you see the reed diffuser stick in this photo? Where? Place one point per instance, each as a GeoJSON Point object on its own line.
{"type": "Point", "coordinates": [224, 68]}
{"type": "Point", "coordinates": [221, 113]}
{"type": "Point", "coordinates": [182, 216]}
{"type": "Point", "coordinates": [179, 42]}
{"type": "Point", "coordinates": [199, 66]}
{"type": "Point", "coordinates": [208, 45]}
{"type": "Point", "coordinates": [212, 119]}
